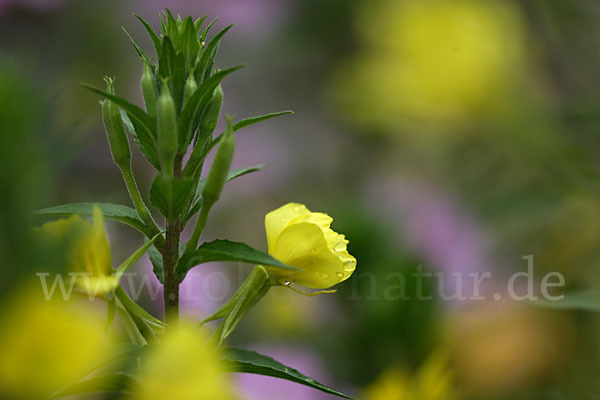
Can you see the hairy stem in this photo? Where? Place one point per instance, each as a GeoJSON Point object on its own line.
{"type": "Point", "coordinates": [170, 253]}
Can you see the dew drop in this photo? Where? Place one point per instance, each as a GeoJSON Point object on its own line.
{"type": "Point", "coordinates": [340, 246]}
{"type": "Point", "coordinates": [282, 219]}
{"type": "Point", "coordinates": [340, 274]}
{"type": "Point", "coordinates": [325, 275]}
{"type": "Point", "coordinates": [349, 266]}
{"type": "Point", "coordinates": [297, 208]}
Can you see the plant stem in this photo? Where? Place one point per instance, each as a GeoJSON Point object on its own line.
{"type": "Point", "coordinates": [170, 253]}
{"type": "Point", "coordinates": [139, 204]}
{"type": "Point", "coordinates": [200, 224]}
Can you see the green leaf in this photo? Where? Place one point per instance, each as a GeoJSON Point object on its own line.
{"type": "Point", "coordinates": [145, 143]}
{"type": "Point", "coordinates": [136, 114]}
{"type": "Point", "coordinates": [170, 194]}
{"type": "Point", "coordinates": [189, 42]}
{"type": "Point", "coordinates": [134, 257]}
{"type": "Point", "coordinates": [170, 66]}
{"type": "Point", "coordinates": [137, 48]}
{"type": "Point", "coordinates": [234, 173]}
{"type": "Point", "coordinates": [115, 212]}
{"type": "Point", "coordinates": [203, 69]}
{"type": "Point", "coordinates": [153, 36]}
{"type": "Point", "coordinates": [239, 360]}
{"type": "Point", "coordinates": [253, 120]}
{"type": "Point", "coordinates": [108, 383]}
{"type": "Point", "coordinates": [192, 111]}
{"type": "Point", "coordinates": [226, 250]}
{"type": "Point", "coordinates": [588, 300]}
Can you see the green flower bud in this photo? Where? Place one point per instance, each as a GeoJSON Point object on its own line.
{"type": "Point", "coordinates": [220, 168]}
{"type": "Point", "coordinates": [149, 88]}
{"type": "Point", "coordinates": [167, 129]}
{"type": "Point", "coordinates": [115, 129]}
{"type": "Point", "coordinates": [209, 120]}
{"type": "Point", "coordinates": [190, 88]}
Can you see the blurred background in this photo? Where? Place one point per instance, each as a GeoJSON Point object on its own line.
{"type": "Point", "coordinates": [452, 136]}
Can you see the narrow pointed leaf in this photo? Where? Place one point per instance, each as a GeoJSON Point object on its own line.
{"type": "Point", "coordinates": [135, 256]}
{"type": "Point", "coordinates": [135, 112]}
{"type": "Point", "coordinates": [191, 112]}
{"type": "Point", "coordinates": [234, 173]}
{"type": "Point", "coordinates": [137, 48]}
{"type": "Point", "coordinates": [239, 360]}
{"type": "Point", "coordinates": [226, 250]}
{"type": "Point", "coordinates": [204, 66]}
{"type": "Point", "coordinates": [254, 120]}
{"type": "Point", "coordinates": [145, 142]}
{"type": "Point", "coordinates": [115, 212]}
{"type": "Point", "coordinates": [153, 36]}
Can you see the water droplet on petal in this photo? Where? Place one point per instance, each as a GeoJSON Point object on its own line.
{"type": "Point", "coordinates": [340, 246]}
{"type": "Point", "coordinates": [349, 266]}
{"type": "Point", "coordinates": [282, 219]}
{"type": "Point", "coordinates": [325, 275]}
{"type": "Point", "coordinates": [340, 274]}
{"type": "Point", "coordinates": [297, 208]}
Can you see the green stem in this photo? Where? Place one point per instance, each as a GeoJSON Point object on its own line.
{"type": "Point", "coordinates": [138, 202]}
{"type": "Point", "coordinates": [170, 253]}
{"type": "Point", "coordinates": [200, 224]}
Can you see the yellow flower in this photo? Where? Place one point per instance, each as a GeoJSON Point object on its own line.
{"type": "Point", "coordinates": [433, 381]}
{"type": "Point", "coordinates": [46, 345]}
{"type": "Point", "coordinates": [303, 239]}
{"type": "Point", "coordinates": [183, 367]}
{"type": "Point", "coordinates": [433, 60]}
{"type": "Point", "coordinates": [89, 253]}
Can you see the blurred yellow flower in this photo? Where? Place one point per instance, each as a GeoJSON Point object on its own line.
{"type": "Point", "coordinates": [432, 382]}
{"type": "Point", "coordinates": [303, 239]}
{"type": "Point", "coordinates": [433, 60]}
{"type": "Point", "coordinates": [183, 367]}
{"type": "Point", "coordinates": [89, 250]}
{"type": "Point", "coordinates": [46, 345]}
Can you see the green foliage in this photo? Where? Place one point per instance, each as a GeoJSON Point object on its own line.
{"type": "Point", "coordinates": [225, 250]}
{"type": "Point", "coordinates": [239, 360]}
{"type": "Point", "coordinates": [116, 212]}
{"type": "Point", "coordinates": [182, 97]}
{"type": "Point", "coordinates": [170, 194]}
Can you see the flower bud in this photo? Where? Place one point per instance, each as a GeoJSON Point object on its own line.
{"type": "Point", "coordinates": [167, 129]}
{"type": "Point", "coordinates": [220, 168]}
{"type": "Point", "coordinates": [190, 88]}
{"type": "Point", "coordinates": [149, 88]}
{"type": "Point", "coordinates": [210, 117]}
{"type": "Point", "coordinates": [115, 129]}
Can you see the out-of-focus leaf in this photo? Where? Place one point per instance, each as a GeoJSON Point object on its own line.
{"type": "Point", "coordinates": [109, 383]}
{"type": "Point", "coordinates": [588, 300]}
{"type": "Point", "coordinates": [226, 250]}
{"type": "Point", "coordinates": [239, 360]}
{"type": "Point", "coordinates": [115, 212]}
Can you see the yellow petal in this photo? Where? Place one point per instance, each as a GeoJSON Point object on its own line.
{"type": "Point", "coordinates": [276, 221]}
{"type": "Point", "coordinates": [183, 368]}
{"type": "Point", "coordinates": [303, 245]}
